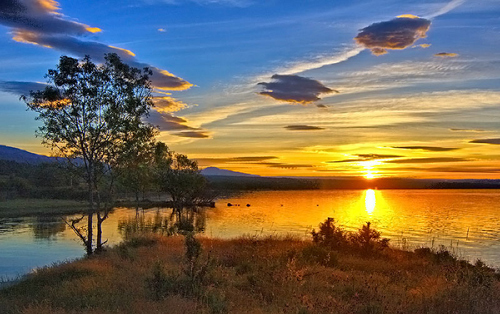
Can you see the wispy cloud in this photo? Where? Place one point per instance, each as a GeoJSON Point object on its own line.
{"type": "Point", "coordinates": [467, 130]}
{"type": "Point", "coordinates": [303, 127]}
{"type": "Point", "coordinates": [426, 160]}
{"type": "Point", "coordinates": [235, 3]}
{"type": "Point", "coordinates": [168, 122]}
{"type": "Point", "coordinates": [193, 134]}
{"type": "Point", "coordinates": [492, 141]}
{"type": "Point", "coordinates": [321, 61]}
{"type": "Point", "coordinates": [365, 157]}
{"type": "Point", "coordinates": [447, 8]}
{"type": "Point", "coordinates": [20, 88]}
{"type": "Point", "coordinates": [427, 148]}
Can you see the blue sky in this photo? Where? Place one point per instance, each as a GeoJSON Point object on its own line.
{"type": "Point", "coordinates": [306, 88]}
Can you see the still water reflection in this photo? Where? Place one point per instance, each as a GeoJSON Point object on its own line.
{"type": "Point", "coordinates": [468, 221]}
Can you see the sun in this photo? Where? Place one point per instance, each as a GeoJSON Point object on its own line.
{"type": "Point", "coordinates": [369, 171]}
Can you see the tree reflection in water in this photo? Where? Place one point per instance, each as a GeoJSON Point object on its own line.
{"type": "Point", "coordinates": [46, 227]}
{"type": "Point", "coordinates": [178, 221]}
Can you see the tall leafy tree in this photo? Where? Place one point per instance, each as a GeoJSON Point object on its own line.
{"type": "Point", "coordinates": [93, 114]}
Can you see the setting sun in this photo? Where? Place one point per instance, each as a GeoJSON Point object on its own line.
{"type": "Point", "coordinates": [369, 171]}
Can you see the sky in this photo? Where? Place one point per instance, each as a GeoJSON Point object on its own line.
{"type": "Point", "coordinates": [364, 88]}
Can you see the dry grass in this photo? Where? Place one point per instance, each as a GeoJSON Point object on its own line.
{"type": "Point", "coordinates": [147, 275]}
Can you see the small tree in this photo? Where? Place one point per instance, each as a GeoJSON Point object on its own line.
{"type": "Point", "coordinates": [93, 114]}
{"type": "Point", "coordinates": [179, 176]}
{"type": "Point", "coordinates": [330, 235]}
{"type": "Point", "coordinates": [368, 238]}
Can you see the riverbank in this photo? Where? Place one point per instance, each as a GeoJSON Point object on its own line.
{"type": "Point", "coordinates": [153, 274]}
{"type": "Point", "coordinates": [40, 207]}
{"type": "Point", "coordinates": [23, 207]}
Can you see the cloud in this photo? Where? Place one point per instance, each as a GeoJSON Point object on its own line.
{"type": "Point", "coordinates": [284, 165]}
{"type": "Point", "coordinates": [161, 79]}
{"type": "Point", "coordinates": [462, 170]}
{"type": "Point", "coordinates": [427, 148]}
{"type": "Point", "coordinates": [447, 8]}
{"type": "Point", "coordinates": [237, 159]}
{"type": "Point", "coordinates": [167, 104]}
{"type": "Point", "coordinates": [321, 106]}
{"type": "Point", "coordinates": [398, 33]}
{"type": "Point", "coordinates": [492, 141]}
{"type": "Point", "coordinates": [234, 3]}
{"type": "Point", "coordinates": [467, 130]}
{"type": "Point", "coordinates": [365, 157]}
{"type": "Point", "coordinates": [299, 67]}
{"type": "Point", "coordinates": [302, 127]}
{"type": "Point", "coordinates": [425, 160]}
{"type": "Point", "coordinates": [40, 16]}
{"type": "Point", "coordinates": [193, 134]}
{"type": "Point", "coordinates": [424, 46]}
{"type": "Point", "coordinates": [446, 54]}
{"type": "Point", "coordinates": [20, 88]}
{"type": "Point", "coordinates": [38, 22]}
{"type": "Point", "coordinates": [294, 89]}
{"type": "Point", "coordinates": [168, 122]}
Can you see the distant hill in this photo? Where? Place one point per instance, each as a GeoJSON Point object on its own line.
{"type": "Point", "coordinates": [22, 156]}
{"type": "Point", "coordinates": [214, 171]}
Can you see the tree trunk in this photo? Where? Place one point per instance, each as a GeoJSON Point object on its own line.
{"type": "Point", "coordinates": [89, 221]}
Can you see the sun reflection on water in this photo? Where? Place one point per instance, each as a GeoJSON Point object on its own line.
{"type": "Point", "coordinates": [370, 201]}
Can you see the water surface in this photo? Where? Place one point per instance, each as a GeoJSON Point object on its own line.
{"type": "Point", "coordinates": [466, 221]}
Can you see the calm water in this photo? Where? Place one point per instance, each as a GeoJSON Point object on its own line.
{"type": "Point", "coordinates": [468, 221]}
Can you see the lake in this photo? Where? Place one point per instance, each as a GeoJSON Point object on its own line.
{"type": "Point", "coordinates": [465, 221]}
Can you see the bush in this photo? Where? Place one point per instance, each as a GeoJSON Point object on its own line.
{"type": "Point", "coordinates": [329, 235]}
{"type": "Point", "coordinates": [368, 239]}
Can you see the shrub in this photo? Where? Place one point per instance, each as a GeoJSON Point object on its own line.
{"type": "Point", "coordinates": [330, 235]}
{"type": "Point", "coordinates": [368, 239]}
{"type": "Point", "coordinates": [161, 284]}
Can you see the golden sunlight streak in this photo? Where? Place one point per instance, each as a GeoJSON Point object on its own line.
{"type": "Point", "coordinates": [370, 201]}
{"type": "Point", "coordinates": [369, 171]}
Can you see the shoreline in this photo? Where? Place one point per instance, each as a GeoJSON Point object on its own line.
{"type": "Point", "coordinates": [245, 275]}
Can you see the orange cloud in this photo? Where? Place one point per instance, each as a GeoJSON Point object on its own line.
{"type": "Point", "coordinates": [168, 104]}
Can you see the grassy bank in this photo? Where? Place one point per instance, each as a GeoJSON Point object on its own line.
{"type": "Point", "coordinates": [31, 207]}
{"type": "Point", "coordinates": [172, 275]}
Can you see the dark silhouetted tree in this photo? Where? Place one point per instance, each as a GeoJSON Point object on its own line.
{"type": "Point", "coordinates": [93, 114]}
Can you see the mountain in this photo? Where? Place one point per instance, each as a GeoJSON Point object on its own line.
{"type": "Point", "coordinates": [213, 171]}
{"type": "Point", "coordinates": [22, 156]}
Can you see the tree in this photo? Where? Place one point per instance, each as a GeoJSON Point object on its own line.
{"type": "Point", "coordinates": [179, 176]}
{"type": "Point", "coordinates": [93, 115]}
